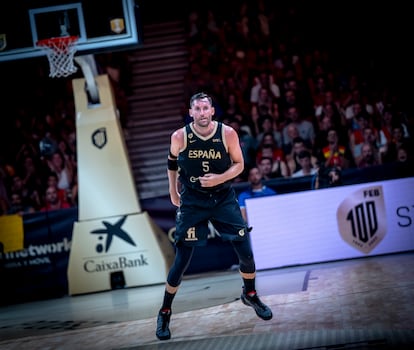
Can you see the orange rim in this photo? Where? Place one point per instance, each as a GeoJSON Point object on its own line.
{"type": "Point", "coordinates": [50, 42]}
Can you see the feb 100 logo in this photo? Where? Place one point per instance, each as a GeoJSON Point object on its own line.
{"type": "Point", "coordinates": [361, 219]}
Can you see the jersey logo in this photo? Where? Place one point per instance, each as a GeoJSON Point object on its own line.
{"type": "Point", "coordinates": [216, 140]}
{"type": "Point", "coordinates": [204, 154]}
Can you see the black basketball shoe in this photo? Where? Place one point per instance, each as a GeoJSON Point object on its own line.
{"type": "Point", "coordinates": [163, 323]}
{"type": "Point", "coordinates": [262, 310]}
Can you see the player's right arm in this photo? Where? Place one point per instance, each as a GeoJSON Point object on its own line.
{"type": "Point", "coordinates": [177, 143]}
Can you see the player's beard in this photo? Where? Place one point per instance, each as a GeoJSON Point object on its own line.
{"type": "Point", "coordinates": [203, 122]}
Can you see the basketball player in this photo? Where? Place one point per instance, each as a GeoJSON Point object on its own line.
{"type": "Point", "coordinates": [204, 157]}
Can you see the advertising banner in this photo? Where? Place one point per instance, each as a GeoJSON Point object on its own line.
{"type": "Point", "coordinates": [333, 223]}
{"type": "Point", "coordinates": [38, 271]}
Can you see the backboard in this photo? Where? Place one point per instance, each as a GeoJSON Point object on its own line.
{"type": "Point", "coordinates": [100, 25]}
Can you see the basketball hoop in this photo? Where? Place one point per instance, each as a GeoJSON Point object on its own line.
{"type": "Point", "coordinates": [60, 52]}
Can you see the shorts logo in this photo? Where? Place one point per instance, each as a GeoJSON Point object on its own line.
{"type": "Point", "coordinates": [361, 219]}
{"type": "Point", "coordinates": [241, 232]}
{"type": "Point", "coordinates": [191, 234]}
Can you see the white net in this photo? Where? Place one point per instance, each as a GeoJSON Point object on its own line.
{"type": "Point", "coordinates": [60, 53]}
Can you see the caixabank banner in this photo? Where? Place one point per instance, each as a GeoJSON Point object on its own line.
{"type": "Point", "coordinates": [333, 223]}
{"type": "Point", "coordinates": [35, 266]}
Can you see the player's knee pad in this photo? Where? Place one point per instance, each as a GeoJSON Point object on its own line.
{"type": "Point", "coordinates": [247, 264]}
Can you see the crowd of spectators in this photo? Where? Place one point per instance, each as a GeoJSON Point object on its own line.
{"type": "Point", "coordinates": [297, 102]}
{"type": "Point", "coordinates": [38, 166]}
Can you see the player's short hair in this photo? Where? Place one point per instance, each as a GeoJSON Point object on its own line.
{"type": "Point", "coordinates": [200, 96]}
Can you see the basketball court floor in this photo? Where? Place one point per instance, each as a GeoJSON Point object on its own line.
{"type": "Point", "coordinates": [365, 303]}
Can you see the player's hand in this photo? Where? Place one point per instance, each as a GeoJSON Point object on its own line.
{"type": "Point", "coordinates": [209, 180]}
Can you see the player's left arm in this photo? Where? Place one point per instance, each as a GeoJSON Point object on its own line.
{"type": "Point", "coordinates": [235, 152]}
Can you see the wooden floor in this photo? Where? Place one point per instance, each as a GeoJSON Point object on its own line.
{"type": "Point", "coordinates": [365, 303]}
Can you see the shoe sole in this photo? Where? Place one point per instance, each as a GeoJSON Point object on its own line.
{"type": "Point", "coordinates": [245, 302]}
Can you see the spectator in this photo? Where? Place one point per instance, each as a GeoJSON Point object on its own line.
{"type": "Point", "coordinates": [48, 145]}
{"type": "Point", "coordinates": [265, 101]}
{"type": "Point", "coordinates": [277, 117]}
{"type": "Point", "coordinates": [231, 106]}
{"type": "Point", "coordinates": [302, 96]}
{"type": "Point", "coordinates": [369, 156]}
{"type": "Point", "coordinates": [388, 121]}
{"type": "Point", "coordinates": [17, 206]}
{"type": "Point", "coordinates": [366, 135]}
{"type": "Point", "coordinates": [325, 124]}
{"type": "Point", "coordinates": [293, 132]}
{"type": "Point", "coordinates": [335, 154]}
{"type": "Point", "coordinates": [306, 167]}
{"type": "Point", "coordinates": [256, 189]}
{"type": "Point", "coordinates": [72, 196]}
{"type": "Point", "coordinates": [328, 177]}
{"type": "Point", "coordinates": [403, 155]}
{"type": "Point", "coordinates": [288, 100]}
{"type": "Point", "coordinates": [268, 148]}
{"type": "Point", "coordinates": [32, 171]}
{"type": "Point", "coordinates": [398, 141]}
{"type": "Point", "coordinates": [305, 128]}
{"type": "Point", "coordinates": [356, 133]}
{"type": "Point", "coordinates": [248, 144]}
{"type": "Point", "coordinates": [357, 103]}
{"type": "Point", "coordinates": [29, 195]}
{"type": "Point", "coordinates": [52, 201]}
{"type": "Point", "coordinates": [264, 89]}
{"type": "Point", "coordinates": [52, 180]}
{"type": "Point", "coordinates": [63, 168]}
{"type": "Point", "coordinates": [293, 161]}
{"type": "Point", "coordinates": [255, 119]}
{"type": "Point", "coordinates": [272, 169]}
{"type": "Point", "coordinates": [267, 128]}
{"type": "Point", "coordinates": [269, 139]}
{"type": "Point", "coordinates": [330, 107]}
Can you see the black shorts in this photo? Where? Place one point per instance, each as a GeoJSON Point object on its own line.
{"type": "Point", "coordinates": [198, 208]}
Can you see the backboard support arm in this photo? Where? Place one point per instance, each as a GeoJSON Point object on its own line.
{"type": "Point", "coordinates": [88, 66]}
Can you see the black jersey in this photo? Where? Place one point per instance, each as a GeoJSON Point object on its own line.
{"type": "Point", "coordinates": [202, 155]}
